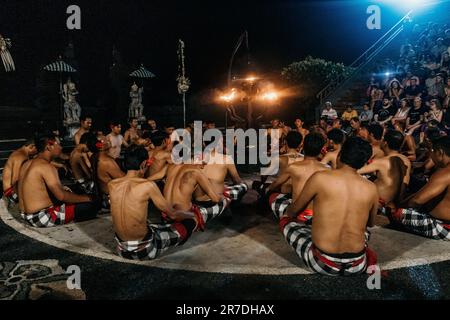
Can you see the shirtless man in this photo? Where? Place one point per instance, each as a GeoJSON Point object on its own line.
{"type": "Point", "coordinates": [43, 201]}
{"type": "Point", "coordinates": [160, 157]}
{"type": "Point", "coordinates": [12, 169]}
{"type": "Point", "coordinates": [335, 140]}
{"type": "Point", "coordinates": [392, 171]}
{"type": "Point", "coordinates": [299, 172]}
{"type": "Point", "coordinates": [85, 126]}
{"type": "Point", "coordinates": [104, 168]}
{"type": "Point", "coordinates": [427, 210]}
{"type": "Point", "coordinates": [409, 144]}
{"type": "Point", "coordinates": [299, 127]}
{"type": "Point", "coordinates": [80, 168]}
{"type": "Point", "coordinates": [344, 205]}
{"type": "Point", "coordinates": [181, 182]}
{"type": "Point", "coordinates": [375, 136]}
{"type": "Point", "coordinates": [116, 140]}
{"type": "Point", "coordinates": [130, 199]}
{"type": "Point", "coordinates": [132, 134]}
{"type": "Point", "coordinates": [218, 167]}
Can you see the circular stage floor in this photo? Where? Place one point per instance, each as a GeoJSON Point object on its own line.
{"type": "Point", "coordinates": [250, 244]}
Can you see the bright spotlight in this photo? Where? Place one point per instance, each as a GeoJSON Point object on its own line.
{"type": "Point", "coordinates": [407, 4]}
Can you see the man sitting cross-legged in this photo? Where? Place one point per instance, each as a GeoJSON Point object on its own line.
{"type": "Point", "coordinates": [218, 166]}
{"type": "Point", "coordinates": [12, 169]}
{"type": "Point", "coordinates": [130, 197]}
{"type": "Point", "coordinates": [345, 204]}
{"type": "Point", "coordinates": [160, 158]}
{"type": "Point", "coordinates": [427, 212]}
{"type": "Point", "coordinates": [80, 165]}
{"type": "Point", "coordinates": [181, 181]}
{"type": "Point", "coordinates": [392, 171]}
{"type": "Point", "coordinates": [299, 172]}
{"type": "Point", "coordinates": [43, 201]}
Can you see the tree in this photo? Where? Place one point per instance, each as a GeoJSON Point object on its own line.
{"type": "Point", "coordinates": [310, 76]}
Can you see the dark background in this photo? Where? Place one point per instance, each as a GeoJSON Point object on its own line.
{"type": "Point", "coordinates": [147, 32]}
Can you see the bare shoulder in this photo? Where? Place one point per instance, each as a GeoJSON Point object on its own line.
{"type": "Point", "coordinates": [442, 175]}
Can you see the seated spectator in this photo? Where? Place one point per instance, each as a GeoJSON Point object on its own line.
{"type": "Point", "coordinates": [349, 113]}
{"type": "Point", "coordinates": [437, 90]}
{"type": "Point", "coordinates": [395, 92]}
{"type": "Point", "coordinates": [366, 115]}
{"type": "Point", "coordinates": [413, 89]}
{"type": "Point", "coordinates": [329, 112]}
{"type": "Point", "coordinates": [402, 112]}
{"type": "Point", "coordinates": [384, 114]}
{"type": "Point", "coordinates": [416, 116]}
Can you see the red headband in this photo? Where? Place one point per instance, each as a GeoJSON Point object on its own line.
{"type": "Point", "coordinates": [99, 145]}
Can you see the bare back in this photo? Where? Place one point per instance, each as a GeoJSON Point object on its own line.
{"type": "Point", "coordinates": [107, 170]}
{"type": "Point", "coordinates": [11, 171]}
{"type": "Point", "coordinates": [301, 171]}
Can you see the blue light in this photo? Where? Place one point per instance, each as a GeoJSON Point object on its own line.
{"type": "Point", "coordinates": [407, 4]}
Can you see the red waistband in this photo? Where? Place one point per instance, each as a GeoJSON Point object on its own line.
{"type": "Point", "coordinates": [303, 215]}
{"type": "Point", "coordinates": [8, 192]}
{"type": "Point", "coordinates": [319, 255]}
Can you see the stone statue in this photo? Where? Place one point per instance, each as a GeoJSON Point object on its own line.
{"type": "Point", "coordinates": [136, 108]}
{"type": "Point", "coordinates": [72, 109]}
{"type": "Point", "coordinates": [7, 59]}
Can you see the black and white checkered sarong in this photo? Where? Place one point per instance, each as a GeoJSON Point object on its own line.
{"type": "Point", "coordinates": [423, 224]}
{"type": "Point", "coordinates": [50, 217]}
{"type": "Point", "coordinates": [235, 192]}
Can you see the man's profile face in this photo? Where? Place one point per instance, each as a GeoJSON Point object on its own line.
{"type": "Point", "coordinates": [298, 123]}
{"type": "Point", "coordinates": [385, 102]}
{"type": "Point", "coordinates": [134, 123]}
{"type": "Point", "coordinates": [55, 148]}
{"type": "Point", "coordinates": [417, 102]}
{"type": "Point", "coordinates": [117, 129]}
{"type": "Point", "coordinates": [87, 124]}
{"type": "Point", "coordinates": [152, 124]}
{"type": "Point", "coordinates": [354, 124]}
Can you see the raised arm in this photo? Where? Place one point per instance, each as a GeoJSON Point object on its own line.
{"type": "Point", "coordinates": [113, 170]}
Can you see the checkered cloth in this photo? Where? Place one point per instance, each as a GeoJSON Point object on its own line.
{"type": "Point", "coordinates": [235, 192]}
{"type": "Point", "coordinates": [298, 235]}
{"type": "Point", "coordinates": [422, 223]}
{"type": "Point", "coordinates": [11, 197]}
{"type": "Point", "coordinates": [279, 202]}
{"type": "Point", "coordinates": [163, 236]}
{"type": "Point", "coordinates": [159, 238]}
{"type": "Point", "coordinates": [52, 216]}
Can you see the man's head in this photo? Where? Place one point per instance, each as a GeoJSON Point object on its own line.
{"type": "Point", "coordinates": [366, 107]}
{"type": "Point", "coordinates": [375, 132]}
{"type": "Point", "coordinates": [337, 124]}
{"type": "Point", "coordinates": [392, 140]}
{"type": "Point", "coordinates": [49, 143]}
{"type": "Point", "coordinates": [349, 108]}
{"type": "Point", "coordinates": [86, 122]}
{"type": "Point", "coordinates": [30, 147]}
{"type": "Point", "coordinates": [92, 143]}
{"type": "Point", "coordinates": [313, 144]}
{"type": "Point", "coordinates": [116, 127]}
{"type": "Point", "coordinates": [169, 129]}
{"type": "Point", "coordinates": [275, 123]}
{"type": "Point", "coordinates": [335, 137]}
{"type": "Point", "coordinates": [294, 139]}
{"type": "Point", "coordinates": [440, 153]}
{"type": "Point", "coordinates": [413, 82]}
{"type": "Point", "coordinates": [133, 123]}
{"type": "Point", "coordinates": [355, 123]}
{"type": "Point", "coordinates": [328, 105]}
{"type": "Point", "coordinates": [210, 124]}
{"type": "Point", "coordinates": [386, 102]}
{"type": "Point", "coordinates": [161, 140]}
{"type": "Point", "coordinates": [355, 152]}
{"type": "Point", "coordinates": [298, 123]}
{"type": "Point", "coordinates": [417, 102]}
{"type": "Point", "coordinates": [152, 124]}
{"type": "Point", "coordinates": [136, 159]}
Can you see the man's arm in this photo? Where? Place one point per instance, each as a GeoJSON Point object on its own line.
{"type": "Point", "coordinates": [113, 170]}
{"type": "Point", "coordinates": [51, 179]}
{"type": "Point", "coordinates": [162, 204]}
{"type": "Point", "coordinates": [370, 168]}
{"type": "Point", "coordinates": [232, 171]}
{"type": "Point", "coordinates": [434, 187]}
{"type": "Point", "coordinates": [282, 179]}
{"type": "Point", "coordinates": [306, 196]}
{"type": "Point", "coordinates": [374, 210]}
{"type": "Point", "coordinates": [206, 185]}
{"type": "Point", "coordinates": [159, 175]}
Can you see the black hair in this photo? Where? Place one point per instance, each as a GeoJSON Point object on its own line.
{"type": "Point", "coordinates": [432, 134]}
{"type": "Point", "coordinates": [376, 130]}
{"type": "Point", "coordinates": [294, 139]}
{"type": "Point", "coordinates": [313, 144]}
{"type": "Point", "coordinates": [355, 152]}
{"type": "Point", "coordinates": [90, 139]}
{"type": "Point", "coordinates": [336, 135]}
{"type": "Point", "coordinates": [42, 141]}
{"type": "Point", "coordinates": [134, 156]}
{"type": "Point", "coordinates": [394, 139]}
{"type": "Point", "coordinates": [30, 141]}
{"type": "Point", "coordinates": [115, 123]}
{"type": "Point", "coordinates": [83, 117]}
{"type": "Point", "coordinates": [132, 118]}
{"type": "Point", "coordinates": [442, 143]}
{"type": "Point", "coordinates": [355, 119]}
{"type": "Point", "coordinates": [159, 139]}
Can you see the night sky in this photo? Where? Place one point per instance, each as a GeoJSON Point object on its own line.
{"type": "Point", "coordinates": [146, 31]}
